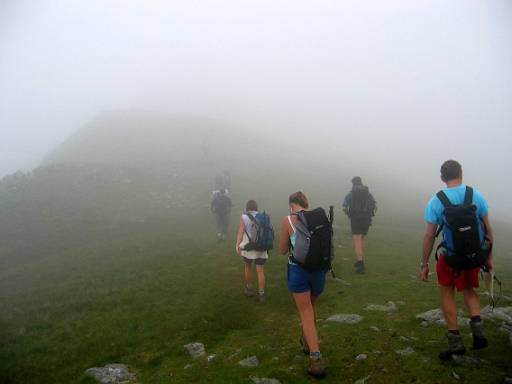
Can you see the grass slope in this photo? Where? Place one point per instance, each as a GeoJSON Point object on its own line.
{"type": "Point", "coordinates": [138, 297]}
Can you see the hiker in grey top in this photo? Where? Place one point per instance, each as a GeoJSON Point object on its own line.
{"type": "Point", "coordinates": [221, 207]}
{"type": "Point", "coordinates": [360, 207]}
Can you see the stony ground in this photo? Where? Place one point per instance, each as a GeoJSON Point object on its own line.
{"type": "Point", "coordinates": [142, 298]}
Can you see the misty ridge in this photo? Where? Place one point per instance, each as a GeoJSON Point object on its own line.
{"type": "Point", "coordinates": [134, 165]}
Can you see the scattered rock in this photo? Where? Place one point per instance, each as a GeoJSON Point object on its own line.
{"type": "Point", "coordinates": [195, 349]}
{"type": "Point", "coordinates": [507, 328]}
{"type": "Point", "coordinates": [408, 338]}
{"type": "Point", "coordinates": [498, 313]}
{"type": "Point", "coordinates": [468, 361]}
{"type": "Point", "coordinates": [405, 352]}
{"type": "Point", "coordinates": [350, 318]}
{"type": "Point", "coordinates": [364, 380]}
{"type": "Point", "coordinates": [342, 281]}
{"type": "Point", "coordinates": [210, 358]}
{"type": "Point", "coordinates": [455, 375]}
{"type": "Point", "coordinates": [112, 374]}
{"type": "Point", "coordinates": [264, 380]}
{"type": "Point", "coordinates": [435, 316]}
{"type": "Point", "coordinates": [188, 366]}
{"type": "Point", "coordinates": [389, 307]}
{"type": "Point", "coordinates": [374, 328]}
{"type": "Point", "coordinates": [425, 324]}
{"type": "Point", "coordinates": [249, 362]}
{"type": "Point", "coordinates": [362, 356]}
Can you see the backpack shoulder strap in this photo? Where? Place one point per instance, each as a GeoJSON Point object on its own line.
{"type": "Point", "coordinates": [444, 199]}
{"type": "Point", "coordinates": [468, 197]}
{"type": "Point", "coordinates": [291, 224]}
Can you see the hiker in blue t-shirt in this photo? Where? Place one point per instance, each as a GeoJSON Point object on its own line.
{"type": "Point", "coordinates": [449, 276]}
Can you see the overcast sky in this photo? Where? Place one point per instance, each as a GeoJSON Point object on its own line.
{"type": "Point", "coordinates": [402, 84]}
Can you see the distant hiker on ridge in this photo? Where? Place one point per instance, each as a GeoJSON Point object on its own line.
{"type": "Point", "coordinates": [307, 237]}
{"type": "Point", "coordinates": [254, 238]}
{"type": "Point", "coordinates": [461, 213]}
{"type": "Point", "coordinates": [221, 207]}
{"type": "Point", "coordinates": [360, 207]}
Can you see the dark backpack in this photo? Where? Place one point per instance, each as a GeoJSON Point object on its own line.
{"type": "Point", "coordinates": [362, 203]}
{"type": "Point", "coordinates": [314, 247]}
{"type": "Point", "coordinates": [467, 249]}
{"type": "Point", "coordinates": [263, 235]}
{"type": "Point", "coordinates": [221, 204]}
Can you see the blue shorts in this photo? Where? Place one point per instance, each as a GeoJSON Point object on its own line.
{"type": "Point", "coordinates": [300, 281]}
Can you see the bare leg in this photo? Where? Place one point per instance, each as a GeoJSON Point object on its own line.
{"type": "Point", "coordinates": [449, 307]}
{"type": "Point", "coordinates": [307, 318]}
{"type": "Point", "coordinates": [248, 274]}
{"type": "Point", "coordinates": [472, 301]}
{"type": "Point", "coordinates": [358, 246]}
{"type": "Point", "coordinates": [260, 271]}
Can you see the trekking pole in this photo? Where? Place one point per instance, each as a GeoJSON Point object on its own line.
{"type": "Point", "coordinates": [331, 220]}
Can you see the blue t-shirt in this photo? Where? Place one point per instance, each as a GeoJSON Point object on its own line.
{"type": "Point", "coordinates": [435, 209]}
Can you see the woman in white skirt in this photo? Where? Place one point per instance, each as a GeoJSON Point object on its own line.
{"type": "Point", "coordinates": [246, 232]}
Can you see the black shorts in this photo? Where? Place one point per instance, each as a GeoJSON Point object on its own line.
{"type": "Point", "coordinates": [360, 225]}
{"type": "Point", "coordinates": [256, 261]}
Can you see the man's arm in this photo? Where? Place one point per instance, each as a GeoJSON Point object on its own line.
{"type": "Point", "coordinates": [428, 245]}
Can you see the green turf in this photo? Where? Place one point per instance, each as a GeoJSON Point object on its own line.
{"type": "Point", "coordinates": [138, 295]}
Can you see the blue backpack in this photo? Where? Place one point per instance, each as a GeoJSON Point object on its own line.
{"type": "Point", "coordinates": [263, 236]}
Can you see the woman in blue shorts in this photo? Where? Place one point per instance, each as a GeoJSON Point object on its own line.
{"type": "Point", "coordinates": [305, 286]}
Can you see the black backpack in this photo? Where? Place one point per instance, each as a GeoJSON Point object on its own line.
{"type": "Point", "coordinates": [467, 250]}
{"type": "Point", "coordinates": [314, 247]}
{"type": "Point", "coordinates": [362, 203]}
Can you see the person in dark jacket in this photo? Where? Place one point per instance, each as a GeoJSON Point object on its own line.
{"type": "Point", "coordinates": [360, 207]}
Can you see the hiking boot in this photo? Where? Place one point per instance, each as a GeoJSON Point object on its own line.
{"type": "Point", "coordinates": [359, 266]}
{"type": "Point", "coordinates": [248, 291]}
{"type": "Point", "coordinates": [455, 347]}
{"type": "Point", "coordinates": [261, 297]}
{"type": "Point", "coordinates": [479, 339]}
{"type": "Point", "coordinates": [304, 345]}
{"type": "Point", "coordinates": [316, 368]}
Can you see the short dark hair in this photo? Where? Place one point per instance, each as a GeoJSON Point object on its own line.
{"type": "Point", "coordinates": [251, 205]}
{"type": "Point", "coordinates": [299, 198]}
{"type": "Point", "coordinates": [451, 170]}
{"type": "Point", "coordinates": [356, 180]}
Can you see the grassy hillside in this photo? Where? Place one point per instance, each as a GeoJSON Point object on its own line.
{"type": "Point", "coordinates": [139, 294]}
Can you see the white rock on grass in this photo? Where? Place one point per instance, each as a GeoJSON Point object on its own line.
{"type": "Point", "coordinates": [362, 356]}
{"type": "Point", "coordinates": [364, 380]}
{"type": "Point", "coordinates": [498, 313]}
{"type": "Point", "coordinates": [345, 318]}
{"type": "Point", "coordinates": [111, 374]}
{"type": "Point", "coordinates": [507, 328]}
{"type": "Point", "coordinates": [468, 361]}
{"type": "Point", "coordinates": [342, 281]}
{"type": "Point", "coordinates": [249, 362]}
{"type": "Point", "coordinates": [264, 380]}
{"type": "Point", "coordinates": [374, 328]}
{"type": "Point", "coordinates": [195, 349]}
{"type": "Point", "coordinates": [405, 352]}
{"type": "Point", "coordinates": [388, 307]}
{"type": "Point", "coordinates": [435, 316]}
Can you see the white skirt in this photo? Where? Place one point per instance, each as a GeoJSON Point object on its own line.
{"type": "Point", "coordinates": [251, 254]}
